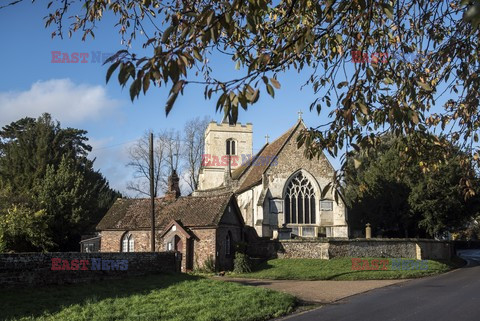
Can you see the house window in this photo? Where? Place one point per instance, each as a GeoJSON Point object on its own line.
{"type": "Point", "coordinates": [300, 201]}
{"type": "Point", "coordinates": [169, 246]}
{"type": "Point", "coordinates": [128, 243]}
{"type": "Point", "coordinates": [326, 205]}
{"type": "Point", "coordinates": [231, 147]}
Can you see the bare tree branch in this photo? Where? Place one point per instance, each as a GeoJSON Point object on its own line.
{"type": "Point", "coordinates": [194, 143]}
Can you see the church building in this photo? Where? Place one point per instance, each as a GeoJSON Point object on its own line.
{"type": "Point", "coordinates": [277, 188]}
{"type": "Point", "coordinates": [275, 194]}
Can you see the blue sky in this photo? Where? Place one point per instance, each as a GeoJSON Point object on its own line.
{"type": "Point", "coordinates": [77, 96]}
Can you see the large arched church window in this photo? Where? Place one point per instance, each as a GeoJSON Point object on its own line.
{"type": "Point", "coordinates": [231, 147]}
{"type": "Point", "coordinates": [299, 201]}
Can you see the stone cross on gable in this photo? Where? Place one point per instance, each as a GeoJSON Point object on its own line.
{"type": "Point", "coordinates": [266, 138]}
{"type": "Point", "coordinates": [300, 113]}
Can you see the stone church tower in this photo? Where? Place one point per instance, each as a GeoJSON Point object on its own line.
{"type": "Point", "coordinates": [224, 141]}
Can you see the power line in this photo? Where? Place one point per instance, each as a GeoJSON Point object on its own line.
{"type": "Point", "coordinates": [115, 145]}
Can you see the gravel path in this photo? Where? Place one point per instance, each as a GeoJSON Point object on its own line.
{"type": "Point", "coordinates": [316, 291]}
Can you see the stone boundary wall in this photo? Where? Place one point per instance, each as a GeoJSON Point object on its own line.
{"type": "Point", "coordinates": [373, 248]}
{"type": "Point", "coordinates": [28, 269]}
{"type": "Point", "coordinates": [462, 245]}
{"type": "Point", "coordinates": [300, 249]}
{"type": "Point", "coordinates": [333, 248]}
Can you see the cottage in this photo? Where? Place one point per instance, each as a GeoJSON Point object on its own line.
{"type": "Point", "coordinates": [202, 228]}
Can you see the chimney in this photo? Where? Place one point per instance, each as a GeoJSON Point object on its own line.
{"type": "Point", "coordinates": [227, 175]}
{"type": "Point", "coordinates": [173, 191]}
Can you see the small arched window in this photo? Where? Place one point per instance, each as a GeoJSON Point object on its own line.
{"type": "Point", "coordinates": [128, 243]}
{"type": "Point", "coordinates": [231, 148]}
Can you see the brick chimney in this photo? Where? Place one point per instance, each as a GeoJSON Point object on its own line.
{"type": "Point", "coordinates": [173, 191]}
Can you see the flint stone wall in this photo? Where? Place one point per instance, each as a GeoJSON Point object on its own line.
{"type": "Point", "coordinates": [28, 269]}
{"type": "Point", "coordinates": [421, 249]}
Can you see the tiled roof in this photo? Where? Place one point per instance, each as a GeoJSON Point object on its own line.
{"type": "Point", "coordinates": [254, 173]}
{"type": "Point", "coordinates": [191, 211]}
{"type": "Point", "coordinates": [238, 172]}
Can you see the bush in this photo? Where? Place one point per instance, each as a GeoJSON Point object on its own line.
{"type": "Point", "coordinates": [242, 263]}
{"type": "Point", "coordinates": [209, 264]}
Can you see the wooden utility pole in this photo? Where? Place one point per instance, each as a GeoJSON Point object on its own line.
{"type": "Point", "coordinates": [152, 195]}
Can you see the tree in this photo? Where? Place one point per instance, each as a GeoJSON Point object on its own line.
{"type": "Point", "coordinates": [49, 192]}
{"type": "Point", "coordinates": [28, 146]}
{"type": "Point", "coordinates": [194, 143]}
{"type": "Point", "coordinates": [24, 230]}
{"type": "Point", "coordinates": [172, 142]}
{"type": "Point", "coordinates": [394, 192]}
{"type": "Point", "coordinates": [346, 46]}
{"type": "Point", "coordinates": [139, 161]}
{"type": "Point", "coordinates": [167, 146]}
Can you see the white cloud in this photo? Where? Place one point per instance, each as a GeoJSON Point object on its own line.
{"type": "Point", "coordinates": [62, 98]}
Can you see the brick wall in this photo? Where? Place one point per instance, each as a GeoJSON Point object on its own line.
{"type": "Point", "coordinates": [204, 246]}
{"type": "Point", "coordinates": [36, 268]}
{"type": "Point", "coordinates": [111, 241]}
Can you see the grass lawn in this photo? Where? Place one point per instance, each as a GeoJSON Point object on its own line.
{"type": "Point", "coordinates": [335, 269]}
{"type": "Point", "coordinates": [155, 297]}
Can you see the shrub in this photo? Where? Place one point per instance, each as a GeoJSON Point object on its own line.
{"type": "Point", "coordinates": [242, 263]}
{"type": "Point", "coordinates": [209, 264]}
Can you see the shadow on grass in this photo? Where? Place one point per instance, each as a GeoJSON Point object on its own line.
{"type": "Point", "coordinates": [371, 275]}
{"type": "Point", "coordinates": [34, 302]}
{"type": "Point", "coordinates": [337, 270]}
{"type": "Point", "coordinates": [262, 266]}
{"type": "Point", "coordinates": [455, 262]}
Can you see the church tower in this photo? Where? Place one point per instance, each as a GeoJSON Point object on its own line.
{"type": "Point", "coordinates": [224, 142]}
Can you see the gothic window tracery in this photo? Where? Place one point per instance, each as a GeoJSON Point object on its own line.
{"type": "Point", "coordinates": [300, 201]}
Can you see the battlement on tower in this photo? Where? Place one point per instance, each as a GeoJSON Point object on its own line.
{"type": "Point", "coordinates": [214, 126]}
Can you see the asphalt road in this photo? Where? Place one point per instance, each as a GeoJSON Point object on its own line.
{"type": "Point", "coordinates": [451, 296]}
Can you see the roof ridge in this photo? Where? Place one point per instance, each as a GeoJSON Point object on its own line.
{"type": "Point", "coordinates": [249, 164]}
{"type": "Point", "coordinates": [252, 173]}
{"type": "Point", "coordinates": [292, 129]}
